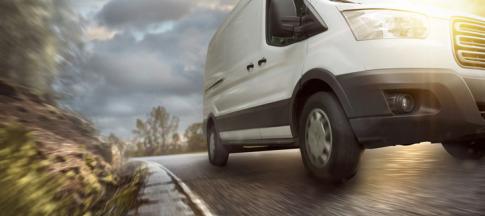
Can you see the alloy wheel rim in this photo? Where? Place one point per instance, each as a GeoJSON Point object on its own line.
{"type": "Point", "coordinates": [318, 138]}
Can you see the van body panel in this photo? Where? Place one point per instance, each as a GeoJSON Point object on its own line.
{"type": "Point", "coordinates": [236, 44]}
{"type": "Point", "coordinates": [242, 38]}
{"type": "Point", "coordinates": [250, 106]}
{"type": "Point", "coordinates": [244, 44]}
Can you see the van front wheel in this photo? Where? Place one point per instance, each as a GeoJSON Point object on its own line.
{"type": "Point", "coordinates": [328, 146]}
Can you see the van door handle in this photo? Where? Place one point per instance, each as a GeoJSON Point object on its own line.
{"type": "Point", "coordinates": [262, 61]}
{"type": "Point", "coordinates": [250, 67]}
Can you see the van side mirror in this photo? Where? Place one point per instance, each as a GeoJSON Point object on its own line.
{"type": "Point", "coordinates": [283, 18]}
{"type": "Point", "coordinates": [300, 26]}
{"type": "Point", "coordinates": [308, 26]}
{"type": "Point", "coordinates": [289, 23]}
{"type": "Point", "coordinates": [284, 21]}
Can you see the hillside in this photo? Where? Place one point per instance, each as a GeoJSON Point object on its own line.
{"type": "Point", "coordinates": [53, 163]}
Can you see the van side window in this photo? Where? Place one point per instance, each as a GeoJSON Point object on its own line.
{"type": "Point", "coordinates": [288, 10]}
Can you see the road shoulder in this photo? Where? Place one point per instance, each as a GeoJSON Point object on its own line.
{"type": "Point", "coordinates": [164, 194]}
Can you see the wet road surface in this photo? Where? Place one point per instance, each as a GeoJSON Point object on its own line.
{"type": "Point", "coordinates": [415, 180]}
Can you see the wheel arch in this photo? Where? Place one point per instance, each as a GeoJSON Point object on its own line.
{"type": "Point", "coordinates": [313, 81]}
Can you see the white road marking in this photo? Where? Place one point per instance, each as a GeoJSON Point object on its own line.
{"type": "Point", "coordinates": [194, 198]}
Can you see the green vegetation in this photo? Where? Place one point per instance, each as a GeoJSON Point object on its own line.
{"type": "Point", "coordinates": [35, 181]}
{"type": "Point", "coordinates": [154, 134]}
{"type": "Point", "coordinates": [125, 198]}
{"type": "Point", "coordinates": [195, 138]}
{"type": "Point", "coordinates": [60, 168]}
{"type": "Point", "coordinates": [157, 135]}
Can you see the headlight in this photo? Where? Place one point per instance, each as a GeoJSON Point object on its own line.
{"type": "Point", "coordinates": [386, 24]}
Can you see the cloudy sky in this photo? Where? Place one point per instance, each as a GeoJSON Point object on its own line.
{"type": "Point", "coordinates": [144, 53]}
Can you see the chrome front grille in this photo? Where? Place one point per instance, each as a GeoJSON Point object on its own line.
{"type": "Point", "coordinates": [469, 42]}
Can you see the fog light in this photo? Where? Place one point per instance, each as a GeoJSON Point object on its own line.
{"type": "Point", "coordinates": [401, 103]}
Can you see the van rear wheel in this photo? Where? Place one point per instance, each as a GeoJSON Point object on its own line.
{"type": "Point", "coordinates": [218, 154]}
{"type": "Point", "coordinates": [327, 143]}
{"type": "Point", "coordinates": [472, 150]}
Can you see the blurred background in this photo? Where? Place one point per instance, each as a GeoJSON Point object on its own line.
{"type": "Point", "coordinates": [83, 83]}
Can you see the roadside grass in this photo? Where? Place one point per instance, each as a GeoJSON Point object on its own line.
{"type": "Point", "coordinates": [65, 181]}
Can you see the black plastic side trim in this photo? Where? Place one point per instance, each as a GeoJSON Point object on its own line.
{"type": "Point", "coordinates": [260, 142]}
{"type": "Point", "coordinates": [476, 86]}
{"type": "Point", "coordinates": [241, 148]}
{"type": "Point", "coordinates": [269, 115]}
{"type": "Point", "coordinates": [446, 106]}
{"type": "Point", "coordinates": [331, 80]}
{"type": "Point", "coordinates": [280, 113]}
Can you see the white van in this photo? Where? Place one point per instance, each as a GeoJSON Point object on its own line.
{"type": "Point", "coordinates": [336, 77]}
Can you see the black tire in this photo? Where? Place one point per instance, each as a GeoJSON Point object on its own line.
{"type": "Point", "coordinates": [219, 155]}
{"type": "Point", "coordinates": [344, 157]}
{"type": "Point", "coordinates": [471, 150]}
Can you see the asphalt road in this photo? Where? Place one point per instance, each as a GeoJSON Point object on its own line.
{"type": "Point", "coordinates": [414, 180]}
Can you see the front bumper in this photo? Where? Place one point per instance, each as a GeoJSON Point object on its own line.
{"type": "Point", "coordinates": [449, 106]}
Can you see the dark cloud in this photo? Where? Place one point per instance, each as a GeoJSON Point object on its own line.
{"type": "Point", "coordinates": [126, 76]}
{"type": "Point", "coordinates": [141, 13]}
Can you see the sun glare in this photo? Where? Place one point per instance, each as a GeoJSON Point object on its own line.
{"type": "Point", "coordinates": [469, 6]}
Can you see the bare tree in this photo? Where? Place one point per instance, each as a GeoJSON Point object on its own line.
{"type": "Point", "coordinates": [175, 146]}
{"type": "Point", "coordinates": [156, 132]}
{"type": "Point", "coordinates": [142, 138]}
{"type": "Point", "coordinates": [176, 139]}
{"type": "Point", "coordinates": [195, 137]}
{"type": "Point", "coordinates": [161, 126]}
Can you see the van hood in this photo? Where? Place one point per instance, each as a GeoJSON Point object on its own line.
{"type": "Point", "coordinates": [429, 10]}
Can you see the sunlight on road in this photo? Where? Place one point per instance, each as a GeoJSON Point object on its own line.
{"type": "Point", "coordinates": [420, 179]}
